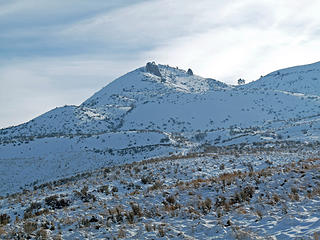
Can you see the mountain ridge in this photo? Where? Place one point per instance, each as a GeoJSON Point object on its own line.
{"type": "Point", "coordinates": [142, 115]}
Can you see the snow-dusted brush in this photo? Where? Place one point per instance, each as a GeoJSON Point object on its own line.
{"type": "Point", "coordinates": [255, 194]}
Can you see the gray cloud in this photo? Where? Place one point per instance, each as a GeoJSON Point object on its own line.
{"type": "Point", "coordinates": [60, 52]}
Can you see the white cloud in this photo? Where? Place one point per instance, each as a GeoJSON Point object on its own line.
{"type": "Point", "coordinates": [61, 52]}
{"type": "Point", "coordinates": [31, 88]}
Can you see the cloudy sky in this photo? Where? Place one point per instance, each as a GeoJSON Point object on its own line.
{"type": "Point", "coordinates": [60, 52]}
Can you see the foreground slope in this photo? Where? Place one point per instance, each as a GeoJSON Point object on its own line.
{"type": "Point", "coordinates": [157, 110]}
{"type": "Point", "coordinates": [253, 195]}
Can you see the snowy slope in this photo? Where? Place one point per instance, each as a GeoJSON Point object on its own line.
{"type": "Point", "coordinates": [158, 111]}
{"type": "Point", "coordinates": [265, 195]}
{"type": "Point", "coordinates": [303, 80]}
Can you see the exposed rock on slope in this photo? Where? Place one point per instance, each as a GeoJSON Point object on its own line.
{"type": "Point", "coordinates": [152, 68]}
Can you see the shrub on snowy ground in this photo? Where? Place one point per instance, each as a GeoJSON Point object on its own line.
{"type": "Point", "coordinates": [4, 219]}
{"type": "Point", "coordinates": [171, 199]}
{"type": "Point", "coordinates": [104, 189]}
{"type": "Point", "coordinates": [56, 203]}
{"type": "Point", "coordinates": [30, 227]}
{"type": "Point", "coordinates": [136, 209]}
{"type": "Point", "coordinates": [206, 205]}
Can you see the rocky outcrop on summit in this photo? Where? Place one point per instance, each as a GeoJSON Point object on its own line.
{"type": "Point", "coordinates": [241, 81]}
{"type": "Point", "coordinates": [189, 72]}
{"type": "Point", "coordinates": [152, 68]}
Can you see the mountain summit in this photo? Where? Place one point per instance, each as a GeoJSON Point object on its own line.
{"type": "Point", "coordinates": [157, 110]}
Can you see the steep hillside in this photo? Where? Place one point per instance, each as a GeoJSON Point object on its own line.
{"type": "Point", "coordinates": [158, 110]}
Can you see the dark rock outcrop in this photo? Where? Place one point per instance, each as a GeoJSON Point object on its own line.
{"type": "Point", "coordinates": [241, 81]}
{"type": "Point", "coordinates": [152, 68]}
{"type": "Point", "coordinates": [189, 72]}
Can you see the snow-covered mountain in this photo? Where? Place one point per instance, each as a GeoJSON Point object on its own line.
{"type": "Point", "coordinates": [158, 110]}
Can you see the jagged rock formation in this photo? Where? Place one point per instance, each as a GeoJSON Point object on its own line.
{"type": "Point", "coordinates": [189, 72]}
{"type": "Point", "coordinates": [152, 68]}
